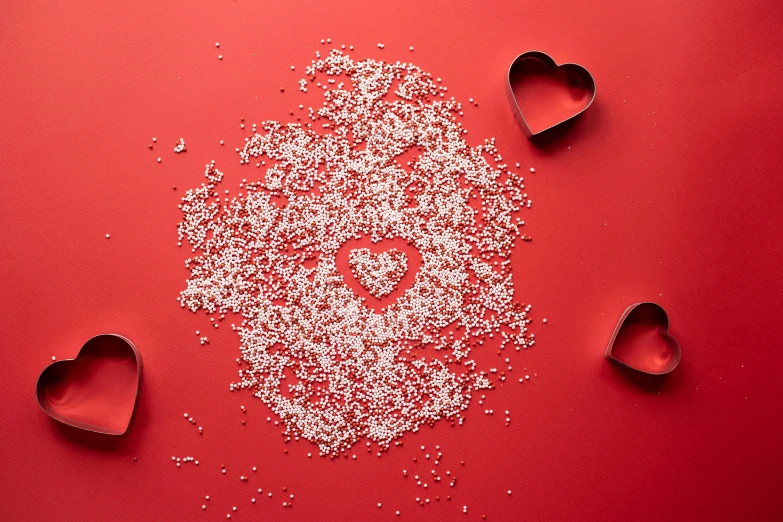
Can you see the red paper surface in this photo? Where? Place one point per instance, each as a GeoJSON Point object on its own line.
{"type": "Point", "coordinates": [666, 189]}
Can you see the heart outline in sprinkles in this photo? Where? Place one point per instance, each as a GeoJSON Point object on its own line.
{"type": "Point", "coordinates": [67, 391]}
{"type": "Point", "coordinates": [572, 72]}
{"type": "Point", "coordinates": [642, 322]}
{"type": "Point", "coordinates": [378, 273]}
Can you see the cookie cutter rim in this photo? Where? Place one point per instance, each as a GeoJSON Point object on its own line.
{"type": "Point", "coordinates": [552, 65]}
{"type": "Point", "coordinates": [39, 386]}
{"type": "Point", "coordinates": [676, 351]}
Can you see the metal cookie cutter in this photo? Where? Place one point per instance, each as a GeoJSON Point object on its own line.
{"type": "Point", "coordinates": [574, 73]}
{"type": "Point", "coordinates": [97, 391]}
{"type": "Point", "coordinates": [641, 340]}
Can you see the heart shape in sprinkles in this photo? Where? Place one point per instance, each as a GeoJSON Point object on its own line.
{"type": "Point", "coordinates": [380, 273]}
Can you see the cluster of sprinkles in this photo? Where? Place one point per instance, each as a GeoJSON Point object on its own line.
{"type": "Point", "coordinates": [332, 368]}
{"type": "Point", "coordinates": [183, 460]}
{"type": "Point", "coordinates": [378, 273]}
{"type": "Point", "coordinates": [193, 422]}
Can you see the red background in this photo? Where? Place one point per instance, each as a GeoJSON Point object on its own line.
{"type": "Point", "coordinates": [667, 189]}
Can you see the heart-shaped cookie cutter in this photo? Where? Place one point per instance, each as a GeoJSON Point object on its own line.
{"type": "Point", "coordinates": [47, 407]}
{"type": "Point", "coordinates": [662, 319]}
{"type": "Point", "coordinates": [552, 65]}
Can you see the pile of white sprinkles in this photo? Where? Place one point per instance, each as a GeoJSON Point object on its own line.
{"type": "Point", "coordinates": [378, 273]}
{"type": "Point", "coordinates": [332, 367]}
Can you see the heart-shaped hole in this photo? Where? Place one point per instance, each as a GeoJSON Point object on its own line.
{"type": "Point", "coordinates": [641, 340]}
{"type": "Point", "coordinates": [98, 390]}
{"type": "Point", "coordinates": [548, 94]}
{"type": "Point", "coordinates": [363, 250]}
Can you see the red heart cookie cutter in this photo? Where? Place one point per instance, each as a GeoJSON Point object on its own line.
{"type": "Point", "coordinates": [551, 94]}
{"type": "Point", "coordinates": [641, 340]}
{"type": "Point", "coordinates": [98, 390]}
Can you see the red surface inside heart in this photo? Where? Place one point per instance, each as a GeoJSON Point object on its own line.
{"type": "Point", "coordinates": [547, 96]}
{"type": "Point", "coordinates": [643, 342]}
{"type": "Point", "coordinates": [95, 391]}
